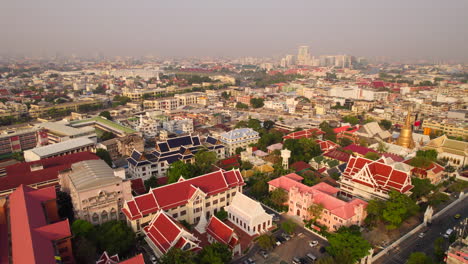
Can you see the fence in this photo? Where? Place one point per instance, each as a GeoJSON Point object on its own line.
{"type": "Point", "coordinates": [416, 229]}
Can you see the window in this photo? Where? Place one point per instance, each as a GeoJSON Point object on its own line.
{"type": "Point", "coordinates": [215, 202]}
{"type": "Point", "coordinates": [183, 213]}
{"type": "Point", "coordinates": [222, 199]}
{"type": "Point", "coordinates": [175, 215]}
{"type": "Point", "coordinates": [208, 204]}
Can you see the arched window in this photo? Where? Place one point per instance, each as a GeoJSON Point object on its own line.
{"type": "Point", "coordinates": [113, 214]}
{"type": "Point", "coordinates": [95, 218]}
{"type": "Point", "coordinates": [104, 216]}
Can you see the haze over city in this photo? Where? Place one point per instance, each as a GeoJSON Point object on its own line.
{"type": "Point", "coordinates": [433, 30]}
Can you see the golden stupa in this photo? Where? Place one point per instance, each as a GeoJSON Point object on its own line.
{"type": "Point", "coordinates": [406, 134]}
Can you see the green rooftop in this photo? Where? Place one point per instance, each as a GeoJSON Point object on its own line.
{"type": "Point", "coordinates": [106, 122]}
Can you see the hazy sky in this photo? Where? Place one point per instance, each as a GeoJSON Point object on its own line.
{"type": "Point", "coordinates": [432, 29]}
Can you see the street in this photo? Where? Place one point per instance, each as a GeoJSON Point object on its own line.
{"type": "Point", "coordinates": [414, 243]}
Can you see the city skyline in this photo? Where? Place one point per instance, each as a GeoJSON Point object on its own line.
{"type": "Point", "coordinates": [397, 30]}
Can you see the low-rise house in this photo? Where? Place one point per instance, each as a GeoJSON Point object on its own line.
{"type": "Point", "coordinates": [249, 215]}
{"type": "Point", "coordinates": [434, 172]}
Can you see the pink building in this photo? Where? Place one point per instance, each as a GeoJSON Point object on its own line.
{"type": "Point", "coordinates": [336, 212]}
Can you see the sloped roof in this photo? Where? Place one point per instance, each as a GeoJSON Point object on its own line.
{"type": "Point", "coordinates": [178, 193]}
{"type": "Point", "coordinates": [21, 173]}
{"type": "Point", "coordinates": [384, 176]}
{"type": "Point", "coordinates": [89, 174]}
{"type": "Point", "coordinates": [307, 133]}
{"type": "Point", "coordinates": [246, 206]}
{"type": "Point", "coordinates": [60, 147]}
{"type": "Point", "coordinates": [221, 232]}
{"type": "Point", "coordinates": [337, 155]}
{"type": "Point", "coordinates": [31, 235]}
{"type": "Point", "coordinates": [359, 149]}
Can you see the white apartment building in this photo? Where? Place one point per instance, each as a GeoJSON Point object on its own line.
{"type": "Point", "coordinates": [238, 138]}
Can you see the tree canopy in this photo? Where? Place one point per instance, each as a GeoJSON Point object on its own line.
{"type": "Point", "coordinates": [104, 155]}
{"type": "Point", "coordinates": [419, 258]}
{"type": "Point", "coordinates": [178, 256]}
{"type": "Point", "coordinates": [349, 242]}
{"type": "Point", "coordinates": [106, 114]}
{"type": "Point", "coordinates": [256, 102]}
{"type": "Point", "coordinates": [397, 209]}
{"type": "Point", "coordinates": [421, 188]}
{"type": "Point", "coordinates": [152, 182]}
{"type": "Point", "coordinates": [240, 105]}
{"type": "Point", "coordinates": [266, 241]}
{"type": "Point", "coordinates": [278, 196]}
{"type": "Point", "coordinates": [386, 124]}
{"type": "Point", "coordinates": [289, 226]}
{"type": "Point", "coordinates": [180, 169]}
{"type": "Point", "coordinates": [303, 149]}
{"type": "Point", "coordinates": [115, 237]}
{"type": "Point", "coordinates": [315, 210]}
{"type": "Point", "coordinates": [372, 155]}
{"type": "Point", "coordinates": [204, 160]}
{"type": "Point", "coordinates": [215, 253]}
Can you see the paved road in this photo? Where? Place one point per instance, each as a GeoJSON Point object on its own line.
{"type": "Point", "coordinates": [412, 244]}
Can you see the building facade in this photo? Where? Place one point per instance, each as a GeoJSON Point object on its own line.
{"type": "Point", "coordinates": [20, 140]}
{"type": "Point", "coordinates": [249, 215]}
{"type": "Point", "coordinates": [97, 193]}
{"type": "Point", "coordinates": [238, 138]}
{"type": "Point", "coordinates": [185, 199]}
{"type": "Point", "coordinates": [370, 179]}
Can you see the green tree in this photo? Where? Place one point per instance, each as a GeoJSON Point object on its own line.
{"type": "Point", "coordinates": [152, 182]}
{"type": "Point", "coordinates": [259, 189]}
{"type": "Point", "coordinates": [268, 139]}
{"type": "Point", "coordinates": [279, 196]}
{"type": "Point", "coordinates": [178, 256]}
{"type": "Point", "coordinates": [84, 250]}
{"type": "Point", "coordinates": [419, 258]}
{"type": "Point", "coordinates": [289, 226]}
{"type": "Point", "coordinates": [225, 95]}
{"type": "Point", "coordinates": [106, 114]}
{"type": "Point", "coordinates": [344, 142]}
{"type": "Point", "coordinates": [104, 155]}
{"type": "Point", "coordinates": [397, 209]}
{"type": "Point", "coordinates": [326, 260]}
{"type": "Point", "coordinates": [266, 241]}
{"type": "Point", "coordinates": [372, 155]}
{"type": "Point", "coordinates": [215, 253]}
{"type": "Point", "coordinates": [268, 124]}
{"type": "Point", "coordinates": [386, 124]}
{"type": "Point", "coordinates": [246, 165]}
{"type": "Point", "coordinates": [430, 154]}
{"type": "Point", "coordinates": [204, 161]}
{"type": "Point", "coordinates": [106, 135]}
{"type": "Point", "coordinates": [374, 211]}
{"type": "Point", "coordinates": [437, 198]}
{"type": "Point", "coordinates": [348, 242]}
{"type": "Point", "coordinates": [18, 156]}
{"type": "Point", "coordinates": [329, 134]}
{"type": "Point", "coordinates": [256, 102]}
{"type": "Point", "coordinates": [83, 228]}
{"type": "Point", "coordinates": [422, 187]}
{"type": "Point", "coordinates": [439, 248]}
{"type": "Point", "coordinates": [420, 162]}
{"type": "Point", "coordinates": [240, 105]}
{"type": "Point", "coordinates": [221, 214]}
{"type": "Point", "coordinates": [315, 210]}
{"type": "Point", "coordinates": [180, 169]}
{"type": "Point", "coordinates": [115, 237]}
{"type": "Point", "coordinates": [65, 206]}
{"type": "Point", "coordinates": [353, 120]}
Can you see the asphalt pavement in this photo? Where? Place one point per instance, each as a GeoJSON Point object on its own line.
{"type": "Point", "coordinates": [414, 243]}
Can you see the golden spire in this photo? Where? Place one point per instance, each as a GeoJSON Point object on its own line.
{"type": "Point", "coordinates": [406, 134]}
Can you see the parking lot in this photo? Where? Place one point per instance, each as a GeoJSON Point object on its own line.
{"type": "Point", "coordinates": [297, 246]}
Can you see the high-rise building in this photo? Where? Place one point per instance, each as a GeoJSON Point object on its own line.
{"type": "Point", "coordinates": [303, 55]}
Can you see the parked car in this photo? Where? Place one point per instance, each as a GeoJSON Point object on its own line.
{"type": "Point", "coordinates": [313, 243]}
{"type": "Point", "coordinates": [448, 233]}
{"type": "Point", "coordinates": [276, 218]}
{"type": "Point", "coordinates": [263, 253]}
{"type": "Point", "coordinates": [296, 260]}
{"type": "Point", "coordinates": [153, 260]}
{"type": "Point", "coordinates": [286, 236]}
{"type": "Point", "coordinates": [311, 257]}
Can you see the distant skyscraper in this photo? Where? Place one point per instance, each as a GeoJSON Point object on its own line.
{"type": "Point", "coordinates": [303, 55]}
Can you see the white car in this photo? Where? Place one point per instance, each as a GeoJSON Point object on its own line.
{"type": "Point", "coordinates": [313, 243]}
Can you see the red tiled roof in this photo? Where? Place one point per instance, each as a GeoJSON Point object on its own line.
{"type": "Point", "coordinates": [31, 236]}
{"type": "Point", "coordinates": [21, 173]}
{"type": "Point", "coordinates": [326, 145]}
{"type": "Point", "coordinates": [106, 259]}
{"type": "Point", "coordinates": [221, 232]}
{"type": "Point", "coordinates": [345, 129]}
{"type": "Point", "coordinates": [304, 134]}
{"type": "Point", "coordinates": [138, 186]}
{"type": "Point", "coordinates": [359, 149]}
{"type": "Point", "coordinates": [300, 166]}
{"type": "Point", "coordinates": [175, 194]}
{"type": "Point", "coordinates": [384, 177]}
{"type": "Point", "coordinates": [338, 155]}
{"type": "Point", "coordinates": [138, 259]}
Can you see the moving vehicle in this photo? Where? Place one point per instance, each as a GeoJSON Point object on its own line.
{"type": "Point", "coordinates": [448, 233]}
{"type": "Point", "coordinates": [423, 232]}
{"type": "Point", "coordinates": [457, 216]}
{"type": "Point", "coordinates": [296, 260]}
